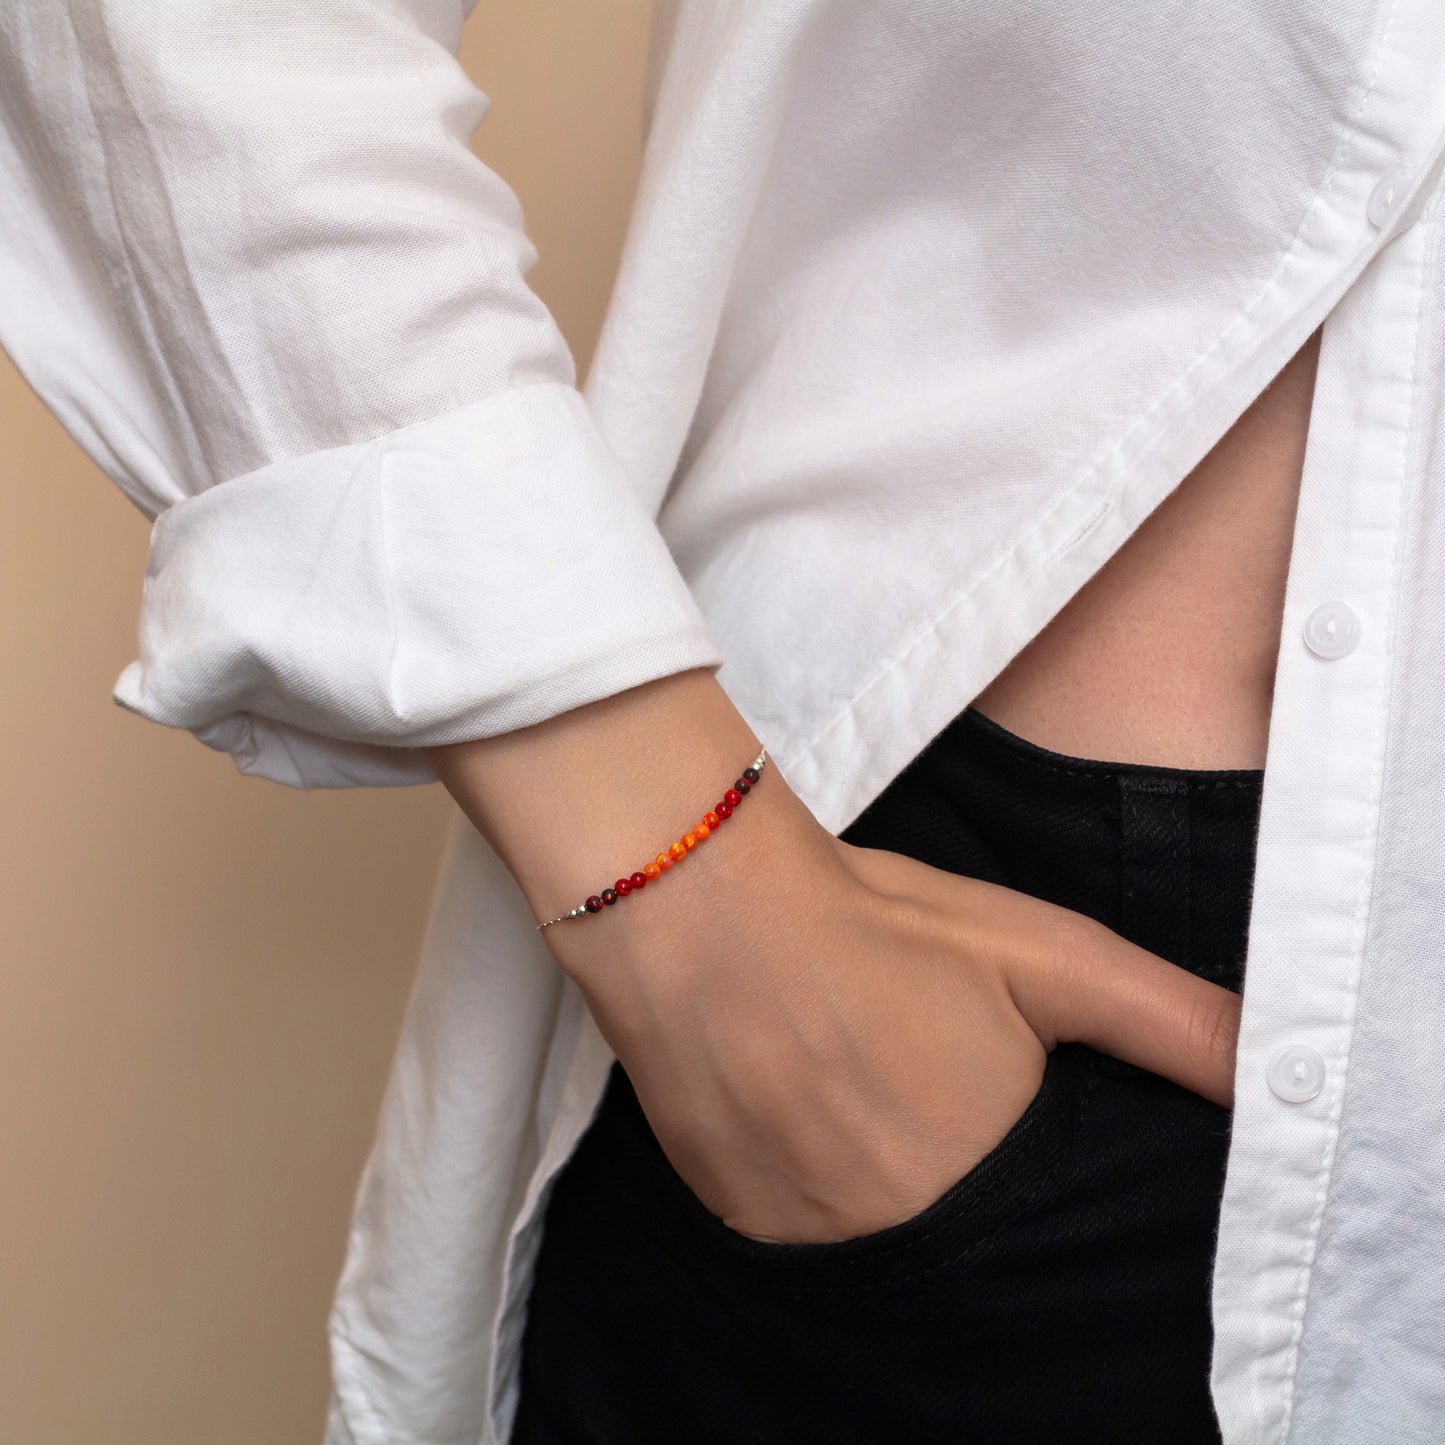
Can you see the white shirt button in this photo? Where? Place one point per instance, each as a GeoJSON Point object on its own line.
{"type": "Point", "coordinates": [1385, 200]}
{"type": "Point", "coordinates": [1332, 630]}
{"type": "Point", "coordinates": [1296, 1073]}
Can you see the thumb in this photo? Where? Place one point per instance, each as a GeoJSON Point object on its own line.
{"type": "Point", "coordinates": [1087, 984]}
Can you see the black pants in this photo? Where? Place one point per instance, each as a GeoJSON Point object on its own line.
{"type": "Point", "coordinates": [1059, 1291]}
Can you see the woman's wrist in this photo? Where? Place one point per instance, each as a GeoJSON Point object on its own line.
{"type": "Point", "coordinates": [594, 794]}
{"type": "Point", "coordinates": [710, 903]}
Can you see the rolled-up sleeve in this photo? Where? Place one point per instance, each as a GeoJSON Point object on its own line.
{"type": "Point", "coordinates": [249, 260]}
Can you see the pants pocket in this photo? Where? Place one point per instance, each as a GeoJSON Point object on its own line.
{"type": "Point", "coordinates": [992, 1192]}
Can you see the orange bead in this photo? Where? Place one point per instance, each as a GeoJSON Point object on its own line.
{"type": "Point", "coordinates": [701, 829]}
{"type": "Point", "coordinates": [711, 819]}
{"type": "Point", "coordinates": [689, 840]}
{"type": "Point", "coordinates": [679, 850]}
{"type": "Point", "coordinates": [664, 861]}
{"type": "Point", "coordinates": [651, 870]}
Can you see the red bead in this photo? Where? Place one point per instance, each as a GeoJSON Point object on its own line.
{"type": "Point", "coordinates": [743, 786]}
{"type": "Point", "coordinates": [609, 895]}
{"type": "Point", "coordinates": [593, 904]}
{"type": "Point", "coordinates": [724, 809]}
{"type": "Point", "coordinates": [732, 797]}
{"type": "Point", "coordinates": [638, 880]}
{"type": "Point", "coordinates": [711, 819]}
{"type": "Point", "coordinates": [623, 887]}
{"type": "Point", "coordinates": [751, 774]}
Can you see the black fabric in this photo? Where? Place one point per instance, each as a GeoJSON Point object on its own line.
{"type": "Point", "coordinates": [1059, 1291]}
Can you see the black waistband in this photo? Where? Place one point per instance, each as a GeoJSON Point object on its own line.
{"type": "Point", "coordinates": [989, 738]}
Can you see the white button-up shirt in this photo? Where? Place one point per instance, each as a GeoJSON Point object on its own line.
{"type": "Point", "coordinates": [923, 309]}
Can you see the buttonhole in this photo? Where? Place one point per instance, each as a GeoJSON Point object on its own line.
{"type": "Point", "coordinates": [1090, 522]}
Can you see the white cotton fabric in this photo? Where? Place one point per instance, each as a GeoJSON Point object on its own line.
{"type": "Point", "coordinates": [453, 595]}
{"type": "Point", "coordinates": [922, 310]}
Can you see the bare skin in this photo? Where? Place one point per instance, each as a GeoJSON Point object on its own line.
{"type": "Point", "coordinates": [825, 1037]}
{"type": "Point", "coordinates": [1167, 655]}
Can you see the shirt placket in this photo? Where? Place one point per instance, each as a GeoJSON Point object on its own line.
{"type": "Point", "coordinates": [1318, 832]}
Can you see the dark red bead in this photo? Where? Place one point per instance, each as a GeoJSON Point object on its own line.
{"type": "Point", "coordinates": [593, 904]}
{"type": "Point", "coordinates": [624, 887]}
{"type": "Point", "coordinates": [751, 774]}
{"type": "Point", "coordinates": [732, 797]}
{"type": "Point", "coordinates": [609, 895]}
{"type": "Point", "coordinates": [743, 786]}
{"type": "Point", "coordinates": [723, 809]}
{"type": "Point", "coordinates": [638, 880]}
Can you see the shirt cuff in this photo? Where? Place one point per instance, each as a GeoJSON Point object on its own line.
{"type": "Point", "coordinates": [325, 616]}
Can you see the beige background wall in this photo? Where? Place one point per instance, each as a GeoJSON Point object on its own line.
{"type": "Point", "coordinates": [203, 974]}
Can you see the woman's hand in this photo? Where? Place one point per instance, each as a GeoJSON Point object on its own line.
{"type": "Point", "coordinates": [825, 1037]}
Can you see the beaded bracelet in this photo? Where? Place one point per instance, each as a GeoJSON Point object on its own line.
{"type": "Point", "coordinates": [676, 852]}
